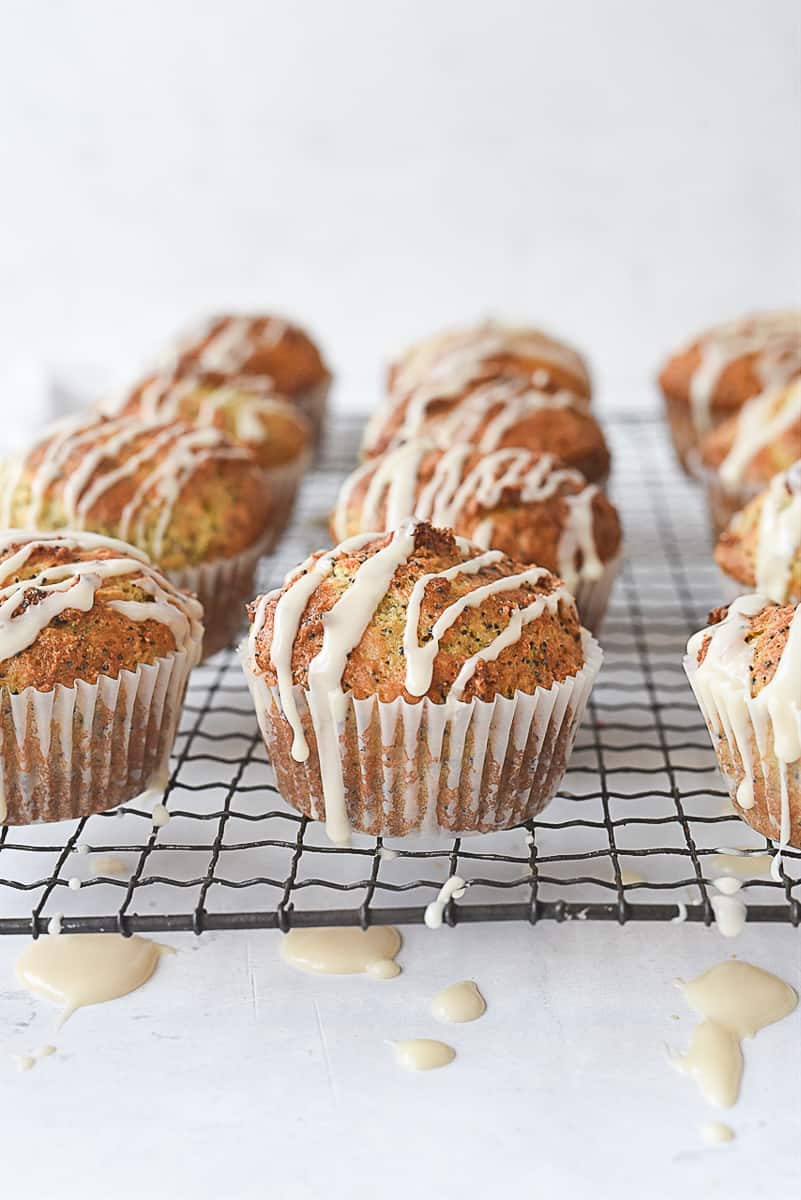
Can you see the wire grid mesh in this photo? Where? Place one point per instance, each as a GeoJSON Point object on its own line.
{"type": "Point", "coordinates": [635, 833]}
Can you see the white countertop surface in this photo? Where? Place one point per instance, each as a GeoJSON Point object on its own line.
{"type": "Point", "coordinates": [232, 1075]}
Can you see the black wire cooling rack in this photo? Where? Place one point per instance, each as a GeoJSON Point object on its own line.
{"type": "Point", "coordinates": [634, 834]}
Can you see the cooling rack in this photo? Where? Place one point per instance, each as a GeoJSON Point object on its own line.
{"type": "Point", "coordinates": [635, 833]}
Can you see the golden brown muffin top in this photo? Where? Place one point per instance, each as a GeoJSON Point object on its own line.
{"type": "Point", "coordinates": [750, 638]}
{"type": "Point", "coordinates": [184, 495]}
{"type": "Point", "coordinates": [760, 440]}
{"type": "Point", "coordinates": [761, 548]}
{"type": "Point", "coordinates": [74, 606]}
{"type": "Point", "coordinates": [249, 345]}
{"type": "Point", "coordinates": [726, 365]}
{"type": "Point", "coordinates": [416, 613]}
{"type": "Point", "coordinates": [531, 506]}
{"type": "Point", "coordinates": [494, 416]}
{"type": "Point", "coordinates": [456, 358]}
{"type": "Point", "coordinates": [246, 408]}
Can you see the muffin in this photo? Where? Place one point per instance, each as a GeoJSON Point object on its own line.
{"type": "Point", "coordinates": [490, 350]}
{"type": "Point", "coordinates": [738, 459]}
{"type": "Point", "coordinates": [530, 506]}
{"type": "Point", "coordinates": [256, 346]}
{"type": "Point", "coordinates": [411, 682]}
{"type": "Point", "coordinates": [96, 646]}
{"type": "Point", "coordinates": [495, 416]}
{"type": "Point", "coordinates": [745, 670]}
{"type": "Point", "coordinates": [709, 379]}
{"type": "Point", "coordinates": [246, 409]}
{"type": "Point", "coordinates": [196, 503]}
{"type": "Point", "coordinates": [761, 546]}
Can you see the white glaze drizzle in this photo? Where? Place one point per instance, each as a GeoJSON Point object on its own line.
{"type": "Point", "coordinates": [228, 349]}
{"type": "Point", "coordinates": [762, 420]}
{"type": "Point", "coordinates": [180, 451]}
{"type": "Point", "coordinates": [344, 625]}
{"type": "Point", "coordinates": [73, 585]}
{"type": "Point", "coordinates": [779, 535]}
{"type": "Point", "coordinates": [492, 408]}
{"type": "Point", "coordinates": [774, 337]}
{"type": "Point", "coordinates": [452, 889]}
{"type": "Point", "coordinates": [456, 357]}
{"type": "Point", "coordinates": [772, 718]}
{"type": "Point", "coordinates": [251, 399]}
{"type": "Point", "coordinates": [394, 492]}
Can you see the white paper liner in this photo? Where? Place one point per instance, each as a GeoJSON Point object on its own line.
{"type": "Point", "coordinates": [284, 481]}
{"type": "Point", "coordinates": [723, 502]}
{"type": "Point", "coordinates": [223, 587]}
{"type": "Point", "coordinates": [592, 595]}
{"type": "Point", "coordinates": [745, 747]}
{"type": "Point", "coordinates": [77, 750]}
{"type": "Point", "coordinates": [410, 768]}
{"type": "Point", "coordinates": [312, 402]}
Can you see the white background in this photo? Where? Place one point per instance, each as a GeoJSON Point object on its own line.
{"type": "Point", "coordinates": [620, 172]}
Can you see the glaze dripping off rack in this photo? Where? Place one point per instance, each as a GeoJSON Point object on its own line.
{"type": "Point", "coordinates": [642, 795]}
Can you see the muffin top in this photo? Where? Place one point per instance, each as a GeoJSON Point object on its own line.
{"type": "Point", "coordinates": [761, 548]}
{"type": "Point", "coordinates": [184, 495]}
{"type": "Point", "coordinates": [246, 408]}
{"type": "Point", "coordinates": [453, 359]}
{"type": "Point", "coordinates": [74, 606]}
{"type": "Point", "coordinates": [414, 613]}
{"type": "Point", "coordinates": [725, 366]}
{"type": "Point", "coordinates": [495, 416]}
{"type": "Point", "coordinates": [760, 440]}
{"type": "Point", "coordinates": [249, 345]}
{"type": "Point", "coordinates": [531, 506]}
{"type": "Point", "coordinates": [750, 655]}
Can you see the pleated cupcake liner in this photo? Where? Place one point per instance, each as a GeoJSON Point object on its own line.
{"type": "Point", "coordinates": [722, 500]}
{"type": "Point", "coordinates": [83, 749]}
{"type": "Point", "coordinates": [313, 403]}
{"type": "Point", "coordinates": [744, 747]}
{"type": "Point", "coordinates": [284, 482]}
{"type": "Point", "coordinates": [592, 595]}
{"type": "Point", "coordinates": [426, 769]}
{"type": "Point", "coordinates": [223, 586]}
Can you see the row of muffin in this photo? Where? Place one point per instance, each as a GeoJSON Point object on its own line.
{"type": "Point", "coordinates": [413, 680]}
{"type": "Point", "coordinates": [355, 639]}
{"type": "Point", "coordinates": [733, 401]}
{"type": "Point", "coordinates": [431, 678]}
{"type": "Point", "coordinates": [197, 464]}
{"type": "Point", "coordinates": [488, 431]}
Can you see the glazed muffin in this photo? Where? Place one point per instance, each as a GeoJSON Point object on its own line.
{"type": "Point", "coordinates": [454, 359]}
{"type": "Point", "coordinates": [745, 670]}
{"type": "Point", "coordinates": [709, 379]}
{"type": "Point", "coordinates": [248, 410]}
{"type": "Point", "coordinates": [738, 459]}
{"type": "Point", "coordinates": [761, 546]}
{"type": "Point", "coordinates": [96, 646]}
{"type": "Point", "coordinates": [411, 682]}
{"type": "Point", "coordinates": [196, 503]}
{"type": "Point", "coordinates": [530, 506]}
{"type": "Point", "coordinates": [496, 416]}
{"type": "Point", "coordinates": [266, 346]}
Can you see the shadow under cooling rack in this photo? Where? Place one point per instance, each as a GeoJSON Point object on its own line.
{"type": "Point", "coordinates": [636, 833]}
